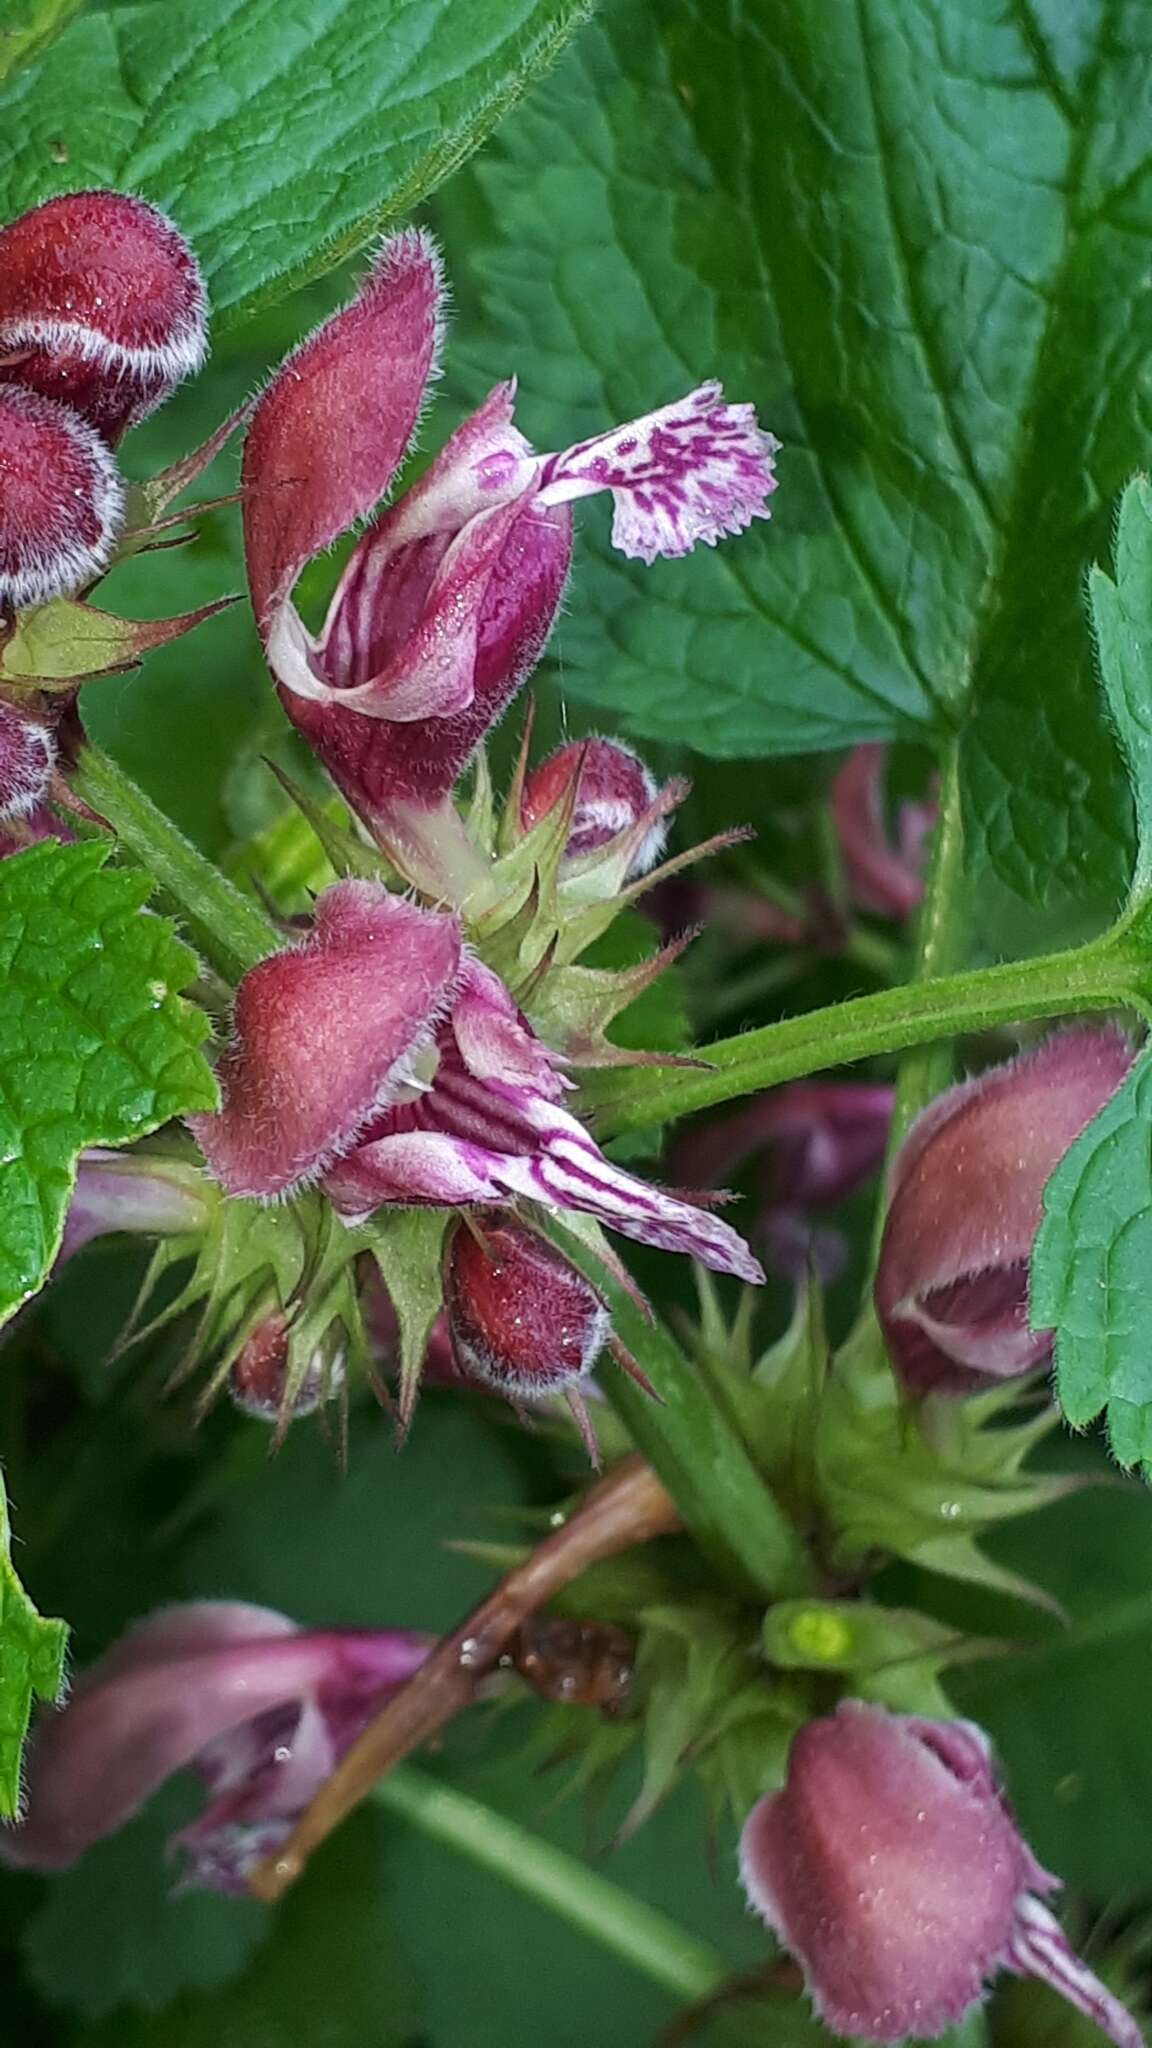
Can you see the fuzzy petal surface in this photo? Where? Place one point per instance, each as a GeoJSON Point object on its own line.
{"type": "Point", "coordinates": [322, 1037]}
{"type": "Point", "coordinates": [967, 1187]}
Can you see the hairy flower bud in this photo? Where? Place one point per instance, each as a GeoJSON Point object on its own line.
{"type": "Point", "coordinates": [61, 500]}
{"type": "Point", "coordinates": [614, 791]}
{"type": "Point", "coordinates": [892, 1868]}
{"type": "Point", "coordinates": [520, 1318]}
{"type": "Point", "coordinates": [101, 306]}
{"type": "Point", "coordinates": [259, 1379]}
{"type": "Point", "coordinates": [27, 758]}
{"type": "Point", "coordinates": [967, 1188]}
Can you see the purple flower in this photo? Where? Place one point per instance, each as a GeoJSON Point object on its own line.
{"type": "Point", "coordinates": [261, 1710]}
{"type": "Point", "coordinates": [967, 1186]}
{"type": "Point", "coordinates": [131, 1191]}
{"type": "Point", "coordinates": [892, 1868]}
{"type": "Point", "coordinates": [381, 1057]}
{"type": "Point", "coordinates": [451, 592]}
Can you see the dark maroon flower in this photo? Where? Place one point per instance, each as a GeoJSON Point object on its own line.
{"type": "Point", "coordinates": [101, 307]}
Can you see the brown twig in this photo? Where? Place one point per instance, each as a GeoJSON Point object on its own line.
{"type": "Point", "coordinates": [627, 1507]}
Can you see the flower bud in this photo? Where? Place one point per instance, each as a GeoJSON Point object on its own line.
{"type": "Point", "coordinates": [892, 1868]}
{"type": "Point", "coordinates": [520, 1318]}
{"type": "Point", "coordinates": [101, 306]}
{"type": "Point", "coordinates": [259, 1380]}
{"type": "Point", "coordinates": [61, 500]}
{"type": "Point", "coordinates": [614, 791]}
{"type": "Point", "coordinates": [967, 1187]}
{"type": "Point", "coordinates": [27, 757]}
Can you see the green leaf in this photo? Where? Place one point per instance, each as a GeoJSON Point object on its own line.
{"type": "Point", "coordinates": [1122, 616]}
{"type": "Point", "coordinates": [25, 25]}
{"type": "Point", "coordinates": [1090, 1268]}
{"type": "Point", "coordinates": [110, 1933]}
{"type": "Point", "coordinates": [918, 240]}
{"type": "Point", "coordinates": [31, 1663]}
{"type": "Point", "coordinates": [287, 1995]}
{"type": "Point", "coordinates": [280, 139]}
{"type": "Point", "coordinates": [96, 1046]}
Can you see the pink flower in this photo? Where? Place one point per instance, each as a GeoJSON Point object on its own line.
{"type": "Point", "coordinates": [882, 877]}
{"type": "Point", "coordinates": [260, 1709]}
{"type": "Point", "coordinates": [101, 307]}
{"type": "Point", "coordinates": [61, 501]}
{"type": "Point", "coordinates": [378, 1055]}
{"type": "Point", "coordinates": [451, 592]}
{"type": "Point", "coordinates": [614, 793]}
{"type": "Point", "coordinates": [892, 1868]}
{"type": "Point", "coordinates": [965, 1204]}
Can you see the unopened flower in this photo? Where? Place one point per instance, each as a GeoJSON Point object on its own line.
{"type": "Point", "coordinates": [260, 1376]}
{"type": "Point", "coordinates": [965, 1205]}
{"type": "Point", "coordinates": [891, 1867]}
{"type": "Point", "coordinates": [882, 874]}
{"type": "Point", "coordinates": [101, 307]}
{"type": "Point", "coordinates": [614, 793]}
{"type": "Point", "coordinates": [451, 592]}
{"type": "Point", "coordinates": [27, 757]}
{"type": "Point", "coordinates": [261, 1710]}
{"type": "Point", "coordinates": [61, 501]}
{"type": "Point", "coordinates": [379, 1056]}
{"type": "Point", "coordinates": [521, 1319]}
{"type": "Point", "coordinates": [519, 1316]}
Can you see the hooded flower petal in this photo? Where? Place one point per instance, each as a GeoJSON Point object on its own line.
{"type": "Point", "coordinates": [61, 501]}
{"type": "Point", "coordinates": [101, 306]}
{"type": "Point", "coordinates": [330, 430]}
{"type": "Point", "coordinates": [893, 1870]}
{"type": "Point", "coordinates": [324, 1036]}
{"type": "Point", "coordinates": [952, 1280]}
{"type": "Point", "coordinates": [693, 471]}
{"type": "Point", "coordinates": [260, 1707]}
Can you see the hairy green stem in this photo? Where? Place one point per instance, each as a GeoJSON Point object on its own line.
{"type": "Point", "coordinates": [1103, 975]}
{"type": "Point", "coordinates": [941, 929]}
{"type": "Point", "coordinates": [625, 1925]}
{"type": "Point", "coordinates": [228, 927]}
